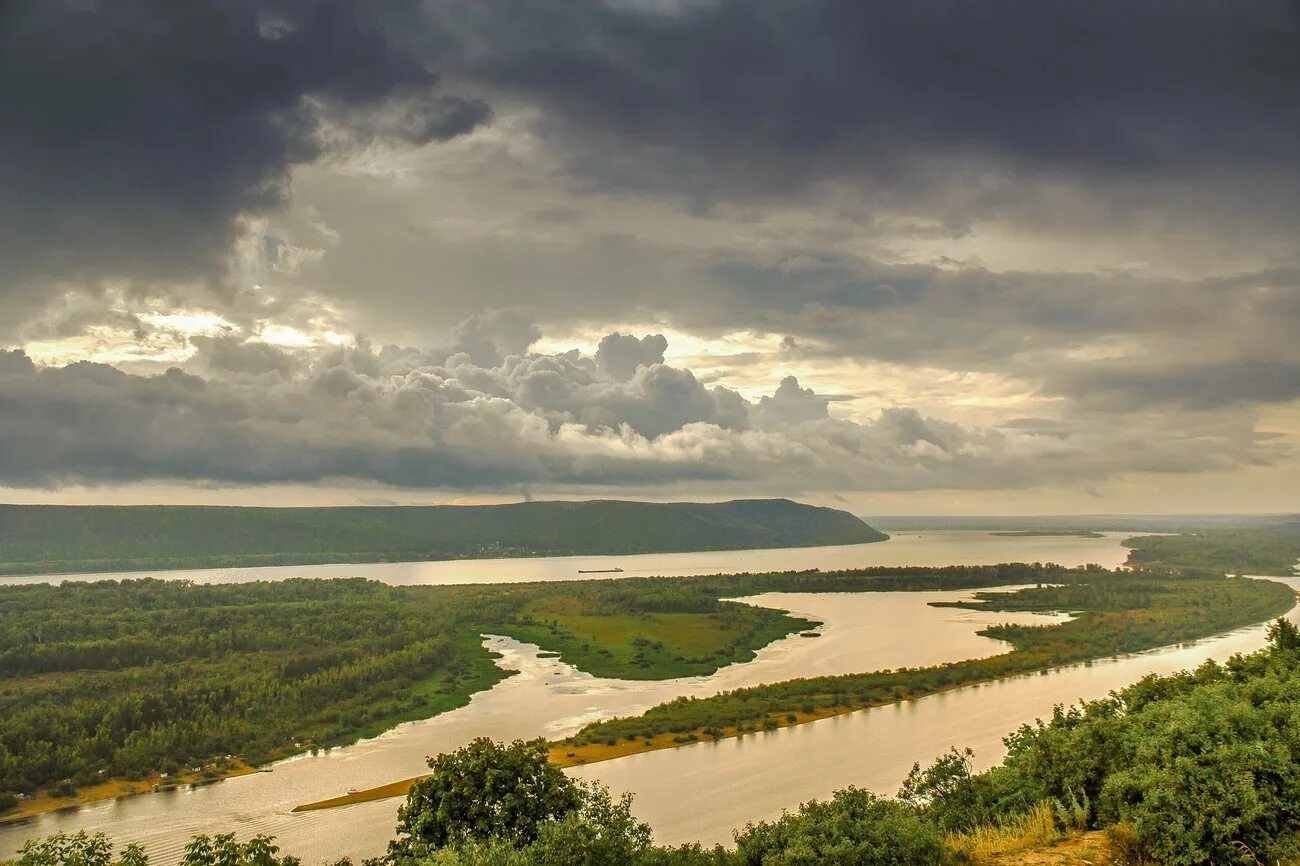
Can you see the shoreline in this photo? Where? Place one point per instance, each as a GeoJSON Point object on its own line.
{"type": "Point", "coordinates": [564, 754]}
{"type": "Point", "coordinates": [64, 569]}
{"type": "Point", "coordinates": [117, 789]}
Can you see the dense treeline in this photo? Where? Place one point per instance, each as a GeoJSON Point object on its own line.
{"type": "Point", "coordinates": [1117, 612]}
{"type": "Point", "coordinates": [124, 679]}
{"type": "Point", "coordinates": [48, 539]}
{"type": "Point", "coordinates": [131, 678]}
{"type": "Point", "coordinates": [1198, 768]}
{"type": "Point", "coordinates": [128, 679]}
{"type": "Point", "coordinates": [1271, 549]}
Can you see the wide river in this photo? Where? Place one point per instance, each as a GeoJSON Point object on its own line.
{"type": "Point", "coordinates": [698, 792]}
{"type": "Point", "coordinates": [931, 547]}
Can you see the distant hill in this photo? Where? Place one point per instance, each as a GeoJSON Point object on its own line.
{"type": "Point", "coordinates": [1083, 522]}
{"type": "Point", "coordinates": [55, 538]}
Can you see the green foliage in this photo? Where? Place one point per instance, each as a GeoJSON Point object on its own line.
{"type": "Point", "coordinates": [78, 849]}
{"type": "Point", "coordinates": [1202, 767]}
{"type": "Point", "coordinates": [45, 538]}
{"type": "Point", "coordinates": [1209, 770]}
{"type": "Point", "coordinates": [1283, 635]}
{"type": "Point", "coordinates": [1271, 550]}
{"type": "Point", "coordinates": [224, 850]}
{"type": "Point", "coordinates": [140, 676]}
{"type": "Point", "coordinates": [949, 792]}
{"type": "Point", "coordinates": [124, 679]}
{"type": "Point", "coordinates": [1117, 612]}
{"type": "Point", "coordinates": [1193, 766]}
{"type": "Point", "coordinates": [855, 828]}
{"type": "Point", "coordinates": [652, 645]}
{"type": "Point", "coordinates": [484, 792]}
{"type": "Point", "coordinates": [600, 831]}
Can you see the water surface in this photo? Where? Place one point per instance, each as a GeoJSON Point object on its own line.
{"type": "Point", "coordinates": [548, 698]}
{"type": "Point", "coordinates": [927, 548]}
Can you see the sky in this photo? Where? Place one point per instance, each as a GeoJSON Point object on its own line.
{"type": "Point", "coordinates": [936, 257]}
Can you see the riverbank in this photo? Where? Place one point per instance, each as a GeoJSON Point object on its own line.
{"type": "Point", "coordinates": [115, 789]}
{"type": "Point", "coordinates": [1096, 634]}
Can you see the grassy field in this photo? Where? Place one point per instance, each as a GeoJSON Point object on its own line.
{"type": "Point", "coordinates": [652, 645]}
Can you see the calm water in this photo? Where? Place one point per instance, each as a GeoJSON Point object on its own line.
{"type": "Point", "coordinates": [701, 791]}
{"type": "Point", "coordinates": [863, 631]}
{"type": "Point", "coordinates": [705, 791]}
{"type": "Point", "coordinates": [938, 547]}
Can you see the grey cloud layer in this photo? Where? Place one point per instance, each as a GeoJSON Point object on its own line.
{"type": "Point", "coordinates": [710, 165]}
{"type": "Point", "coordinates": [133, 134]}
{"type": "Point", "coordinates": [465, 417]}
{"type": "Point", "coordinates": [965, 110]}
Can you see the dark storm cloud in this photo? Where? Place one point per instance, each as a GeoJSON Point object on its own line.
{"type": "Point", "coordinates": [134, 133]}
{"type": "Point", "coordinates": [1128, 387]}
{"type": "Point", "coordinates": [966, 104]}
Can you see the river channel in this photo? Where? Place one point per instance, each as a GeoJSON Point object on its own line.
{"type": "Point", "coordinates": [698, 792]}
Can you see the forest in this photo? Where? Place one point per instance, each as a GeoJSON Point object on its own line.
{"type": "Point", "coordinates": [1272, 549]}
{"type": "Point", "coordinates": [137, 678]}
{"type": "Point", "coordinates": [1192, 769]}
{"type": "Point", "coordinates": [49, 539]}
{"type": "Point", "coordinates": [133, 679]}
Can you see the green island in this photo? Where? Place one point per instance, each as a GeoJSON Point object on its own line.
{"type": "Point", "coordinates": [52, 539]}
{"type": "Point", "coordinates": [1115, 612]}
{"type": "Point", "coordinates": [1264, 550]}
{"type": "Point", "coordinates": [1048, 533]}
{"type": "Point", "coordinates": [1190, 769]}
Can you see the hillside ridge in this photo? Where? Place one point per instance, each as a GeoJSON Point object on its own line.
{"type": "Point", "coordinates": [70, 538]}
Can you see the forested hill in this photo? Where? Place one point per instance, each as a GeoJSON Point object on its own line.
{"type": "Point", "coordinates": [45, 538]}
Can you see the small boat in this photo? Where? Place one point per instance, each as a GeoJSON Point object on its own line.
{"type": "Point", "coordinates": [600, 571]}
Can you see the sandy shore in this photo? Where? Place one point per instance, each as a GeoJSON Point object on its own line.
{"type": "Point", "coordinates": [116, 788]}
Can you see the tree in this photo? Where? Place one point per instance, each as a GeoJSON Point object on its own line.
{"type": "Point", "coordinates": [855, 828]}
{"type": "Point", "coordinates": [600, 832]}
{"type": "Point", "coordinates": [223, 850]}
{"type": "Point", "coordinates": [1283, 634]}
{"type": "Point", "coordinates": [484, 791]}
{"type": "Point", "coordinates": [78, 849]}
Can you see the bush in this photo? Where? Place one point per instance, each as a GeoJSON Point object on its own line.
{"type": "Point", "coordinates": [79, 849]}
{"type": "Point", "coordinates": [855, 828]}
{"type": "Point", "coordinates": [484, 791]}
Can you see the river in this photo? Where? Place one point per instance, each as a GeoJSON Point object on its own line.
{"type": "Point", "coordinates": [928, 548]}
{"type": "Point", "coordinates": [701, 791]}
